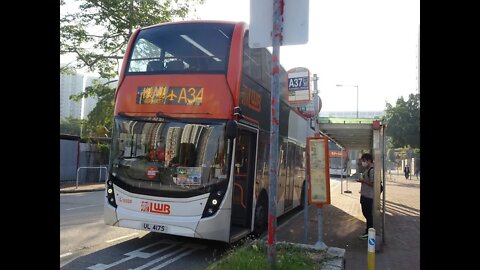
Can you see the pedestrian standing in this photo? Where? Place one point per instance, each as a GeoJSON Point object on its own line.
{"type": "Point", "coordinates": [406, 170]}
{"type": "Point", "coordinates": [366, 192]}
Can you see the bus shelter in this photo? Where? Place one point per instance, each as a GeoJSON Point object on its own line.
{"type": "Point", "coordinates": [363, 134]}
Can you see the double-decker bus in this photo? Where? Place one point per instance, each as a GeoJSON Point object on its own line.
{"type": "Point", "coordinates": [191, 135]}
{"type": "Point", "coordinates": [339, 160]}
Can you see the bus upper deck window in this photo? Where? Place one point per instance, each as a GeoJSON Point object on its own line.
{"type": "Point", "coordinates": [175, 65]}
{"type": "Point", "coordinates": [155, 66]}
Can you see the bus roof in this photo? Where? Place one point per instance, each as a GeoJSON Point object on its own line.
{"type": "Point", "coordinates": [192, 21]}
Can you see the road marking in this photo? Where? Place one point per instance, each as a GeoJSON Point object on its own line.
{"type": "Point", "coordinates": [136, 254]}
{"type": "Point", "coordinates": [194, 247]}
{"type": "Point", "coordinates": [121, 237]}
{"type": "Point", "coordinates": [80, 207]}
{"type": "Point", "coordinates": [159, 259]}
{"type": "Point", "coordinates": [66, 254]}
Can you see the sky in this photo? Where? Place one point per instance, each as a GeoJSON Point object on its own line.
{"type": "Point", "coordinates": [369, 43]}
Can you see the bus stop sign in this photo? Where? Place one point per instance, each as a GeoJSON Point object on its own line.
{"type": "Point", "coordinates": [298, 86]}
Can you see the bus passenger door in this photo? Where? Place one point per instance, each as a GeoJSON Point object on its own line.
{"type": "Point", "coordinates": [244, 173]}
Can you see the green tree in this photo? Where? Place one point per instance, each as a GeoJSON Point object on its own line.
{"type": "Point", "coordinates": [98, 33]}
{"type": "Point", "coordinates": [71, 126]}
{"type": "Point", "coordinates": [391, 155]}
{"type": "Point", "coordinates": [403, 122]}
{"type": "Point", "coordinates": [101, 117]}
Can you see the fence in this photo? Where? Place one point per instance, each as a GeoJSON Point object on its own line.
{"type": "Point", "coordinates": [99, 174]}
{"type": "Point", "coordinates": [75, 154]}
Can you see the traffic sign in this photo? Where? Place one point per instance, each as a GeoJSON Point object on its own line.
{"type": "Point", "coordinates": [298, 86]}
{"type": "Point", "coordinates": [295, 23]}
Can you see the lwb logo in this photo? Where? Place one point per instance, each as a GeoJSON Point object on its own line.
{"type": "Point", "coordinates": [156, 208]}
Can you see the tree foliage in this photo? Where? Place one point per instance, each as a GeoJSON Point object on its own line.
{"type": "Point", "coordinates": [98, 33]}
{"type": "Point", "coordinates": [391, 155]}
{"type": "Point", "coordinates": [403, 122]}
{"type": "Point", "coordinates": [99, 120]}
{"type": "Point", "coordinates": [71, 126]}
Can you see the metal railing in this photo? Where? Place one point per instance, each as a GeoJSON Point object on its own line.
{"type": "Point", "coordinates": [99, 175]}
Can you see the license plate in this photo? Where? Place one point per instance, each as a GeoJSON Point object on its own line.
{"type": "Point", "coordinates": [155, 227]}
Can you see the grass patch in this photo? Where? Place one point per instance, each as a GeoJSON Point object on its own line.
{"type": "Point", "coordinates": [255, 256]}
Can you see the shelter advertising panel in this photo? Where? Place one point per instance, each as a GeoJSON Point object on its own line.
{"type": "Point", "coordinates": [318, 174]}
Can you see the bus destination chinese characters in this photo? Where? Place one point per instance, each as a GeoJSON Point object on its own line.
{"type": "Point", "coordinates": [174, 95]}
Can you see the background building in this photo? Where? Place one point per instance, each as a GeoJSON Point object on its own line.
{"type": "Point", "coordinates": [353, 114]}
{"type": "Point", "coordinates": [70, 85]}
{"type": "Point", "coordinates": [74, 85]}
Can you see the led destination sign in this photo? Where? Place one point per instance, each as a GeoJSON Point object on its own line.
{"type": "Point", "coordinates": [175, 95]}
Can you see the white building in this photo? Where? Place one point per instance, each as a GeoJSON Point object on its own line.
{"type": "Point", "coordinates": [352, 114]}
{"type": "Point", "coordinates": [74, 85]}
{"type": "Point", "coordinates": [70, 85]}
{"type": "Point", "coordinates": [90, 102]}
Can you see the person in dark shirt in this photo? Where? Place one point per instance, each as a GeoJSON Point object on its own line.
{"type": "Point", "coordinates": [406, 170]}
{"type": "Point", "coordinates": [366, 192]}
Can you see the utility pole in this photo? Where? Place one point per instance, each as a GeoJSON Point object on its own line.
{"type": "Point", "coordinates": [314, 119]}
{"type": "Point", "coordinates": [357, 99]}
{"type": "Point", "coordinates": [274, 121]}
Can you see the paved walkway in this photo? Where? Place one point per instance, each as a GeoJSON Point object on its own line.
{"type": "Point", "coordinates": [71, 186]}
{"type": "Point", "coordinates": [344, 222]}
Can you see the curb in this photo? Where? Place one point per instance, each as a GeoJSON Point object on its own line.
{"type": "Point", "coordinates": [334, 256]}
{"type": "Point", "coordinates": [73, 190]}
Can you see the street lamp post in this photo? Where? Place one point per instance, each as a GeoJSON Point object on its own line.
{"type": "Point", "coordinates": [341, 85]}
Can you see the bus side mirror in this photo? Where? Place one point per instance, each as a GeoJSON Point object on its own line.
{"type": "Point", "coordinates": [232, 128]}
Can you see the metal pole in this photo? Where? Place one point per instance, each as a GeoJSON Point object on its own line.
{"type": "Point", "coordinates": [76, 186]}
{"type": "Point", "coordinates": [384, 184]}
{"type": "Point", "coordinates": [357, 99]}
{"type": "Point", "coordinates": [314, 119]}
{"type": "Point", "coordinates": [315, 101]}
{"type": "Point", "coordinates": [274, 121]}
{"type": "Point", "coordinates": [371, 249]}
{"type": "Point", "coordinates": [305, 209]}
{"type": "Point", "coordinates": [319, 243]}
{"type": "Point", "coordinates": [346, 180]}
{"type": "Point", "coordinates": [305, 192]}
{"type": "Point", "coordinates": [341, 185]}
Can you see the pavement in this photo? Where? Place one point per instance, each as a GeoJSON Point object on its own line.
{"type": "Point", "coordinates": [343, 222]}
{"type": "Point", "coordinates": [72, 187]}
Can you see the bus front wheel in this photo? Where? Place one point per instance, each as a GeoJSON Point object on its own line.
{"type": "Point", "coordinates": [261, 213]}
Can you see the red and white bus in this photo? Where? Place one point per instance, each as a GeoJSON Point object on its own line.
{"type": "Point", "coordinates": [190, 143]}
{"type": "Point", "coordinates": [338, 160]}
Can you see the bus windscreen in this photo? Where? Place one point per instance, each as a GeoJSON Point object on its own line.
{"type": "Point", "coordinates": [170, 157]}
{"type": "Point", "coordinates": [181, 49]}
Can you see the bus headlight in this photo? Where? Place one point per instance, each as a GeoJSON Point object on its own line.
{"type": "Point", "coordinates": [110, 193]}
{"type": "Point", "coordinates": [214, 200]}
